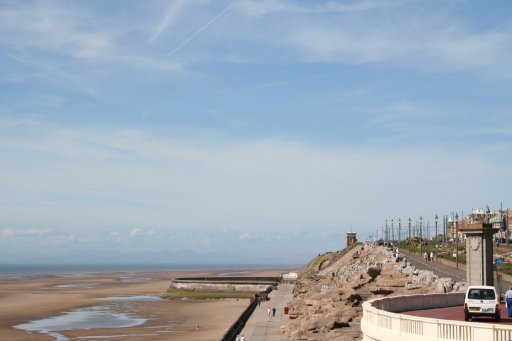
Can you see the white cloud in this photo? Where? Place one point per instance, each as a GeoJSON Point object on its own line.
{"type": "Point", "coordinates": [171, 14]}
{"type": "Point", "coordinates": [246, 236]}
{"type": "Point", "coordinates": [117, 178]}
{"type": "Point", "coordinates": [265, 7]}
{"type": "Point", "coordinates": [136, 232]}
{"type": "Point", "coordinates": [13, 233]}
{"type": "Point", "coordinates": [54, 28]}
{"type": "Point", "coordinates": [73, 45]}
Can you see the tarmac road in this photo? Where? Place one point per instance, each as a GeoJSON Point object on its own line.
{"type": "Point", "coordinates": [457, 314]}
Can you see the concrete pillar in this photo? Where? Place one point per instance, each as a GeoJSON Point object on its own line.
{"type": "Point", "coordinates": [479, 253]}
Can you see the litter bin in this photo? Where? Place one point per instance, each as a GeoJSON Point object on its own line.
{"type": "Point", "coordinates": [286, 310]}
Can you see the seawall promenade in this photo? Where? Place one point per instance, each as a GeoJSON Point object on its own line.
{"type": "Point", "coordinates": [261, 326]}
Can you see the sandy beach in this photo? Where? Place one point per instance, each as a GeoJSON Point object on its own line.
{"type": "Point", "coordinates": [133, 296]}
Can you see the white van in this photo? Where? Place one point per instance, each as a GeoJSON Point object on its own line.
{"type": "Point", "coordinates": [481, 301]}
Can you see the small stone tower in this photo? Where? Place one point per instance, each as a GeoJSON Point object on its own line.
{"type": "Point", "coordinates": [479, 255]}
{"type": "Point", "coordinates": [351, 239]}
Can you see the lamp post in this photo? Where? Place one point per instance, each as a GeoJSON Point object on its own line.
{"type": "Point", "coordinates": [392, 231]}
{"type": "Point", "coordinates": [409, 229]}
{"type": "Point", "coordinates": [436, 227]}
{"type": "Point", "coordinates": [386, 239]}
{"type": "Point", "coordinates": [456, 242]}
{"type": "Point", "coordinates": [421, 238]}
{"type": "Point", "coordinates": [399, 229]}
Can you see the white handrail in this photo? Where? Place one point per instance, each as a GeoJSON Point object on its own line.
{"type": "Point", "coordinates": [382, 321]}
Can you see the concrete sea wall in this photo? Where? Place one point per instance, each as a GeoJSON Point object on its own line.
{"type": "Point", "coordinates": [246, 284]}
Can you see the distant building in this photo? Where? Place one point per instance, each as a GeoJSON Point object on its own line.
{"type": "Point", "coordinates": [351, 239]}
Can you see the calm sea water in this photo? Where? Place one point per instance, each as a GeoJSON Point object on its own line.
{"type": "Point", "coordinates": [64, 270]}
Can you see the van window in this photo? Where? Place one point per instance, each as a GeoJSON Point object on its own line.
{"type": "Point", "coordinates": [481, 294]}
{"type": "Point", "coordinates": [488, 294]}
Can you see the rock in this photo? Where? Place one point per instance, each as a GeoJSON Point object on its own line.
{"type": "Point", "coordinates": [373, 272]}
{"type": "Point", "coordinates": [328, 307]}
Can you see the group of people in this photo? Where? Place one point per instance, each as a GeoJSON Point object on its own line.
{"type": "Point", "coordinates": [429, 257]}
{"type": "Point", "coordinates": [240, 338]}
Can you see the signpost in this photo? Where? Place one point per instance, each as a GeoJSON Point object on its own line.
{"type": "Point", "coordinates": [499, 261]}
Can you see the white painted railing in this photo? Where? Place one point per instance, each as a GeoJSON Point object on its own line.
{"type": "Point", "coordinates": [382, 321]}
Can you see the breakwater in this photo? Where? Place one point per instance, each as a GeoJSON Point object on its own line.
{"type": "Point", "coordinates": [246, 284]}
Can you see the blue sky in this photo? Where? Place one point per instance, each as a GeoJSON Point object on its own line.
{"type": "Point", "coordinates": [265, 129]}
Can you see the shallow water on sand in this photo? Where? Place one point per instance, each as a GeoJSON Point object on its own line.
{"type": "Point", "coordinates": [138, 298]}
{"type": "Point", "coordinates": [86, 318]}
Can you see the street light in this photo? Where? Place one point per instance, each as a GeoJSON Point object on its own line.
{"type": "Point", "coordinates": [456, 242]}
{"type": "Point", "coordinates": [392, 231]}
{"type": "Point", "coordinates": [386, 239]}
{"type": "Point", "coordinates": [436, 228]}
{"type": "Point", "coordinates": [409, 229]}
{"type": "Point", "coordinates": [399, 229]}
{"type": "Point", "coordinates": [421, 237]}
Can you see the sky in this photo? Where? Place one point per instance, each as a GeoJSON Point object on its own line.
{"type": "Point", "coordinates": [258, 131]}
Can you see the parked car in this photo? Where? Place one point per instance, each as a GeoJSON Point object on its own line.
{"type": "Point", "coordinates": [481, 301]}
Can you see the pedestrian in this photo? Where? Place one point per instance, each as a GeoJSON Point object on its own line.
{"type": "Point", "coordinates": [269, 311]}
{"type": "Point", "coordinates": [508, 299]}
{"type": "Point", "coordinates": [425, 256]}
{"type": "Point", "coordinates": [273, 311]}
{"type": "Point", "coordinates": [242, 338]}
{"type": "Point", "coordinates": [237, 338]}
{"type": "Point", "coordinates": [431, 256]}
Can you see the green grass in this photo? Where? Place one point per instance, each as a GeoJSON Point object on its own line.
{"type": "Point", "coordinates": [174, 294]}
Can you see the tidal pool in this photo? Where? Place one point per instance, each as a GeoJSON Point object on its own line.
{"type": "Point", "coordinates": [86, 318]}
{"type": "Point", "coordinates": [138, 298]}
{"type": "Point", "coordinates": [75, 286]}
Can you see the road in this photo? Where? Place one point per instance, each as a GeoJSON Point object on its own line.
{"type": "Point", "coordinates": [457, 314]}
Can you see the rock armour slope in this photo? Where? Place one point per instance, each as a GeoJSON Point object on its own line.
{"type": "Point", "coordinates": [326, 303]}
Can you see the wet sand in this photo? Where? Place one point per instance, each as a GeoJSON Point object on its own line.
{"type": "Point", "coordinates": [28, 299]}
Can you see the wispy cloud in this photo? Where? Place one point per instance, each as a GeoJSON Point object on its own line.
{"type": "Point", "coordinates": [136, 232]}
{"type": "Point", "coordinates": [424, 45]}
{"type": "Point", "coordinates": [259, 183]}
{"type": "Point", "coordinates": [71, 45]}
{"type": "Point", "coordinates": [266, 7]}
{"type": "Point", "coordinates": [170, 16]}
{"type": "Point", "coordinates": [29, 233]}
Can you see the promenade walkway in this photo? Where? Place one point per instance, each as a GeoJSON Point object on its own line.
{"type": "Point", "coordinates": [439, 269]}
{"type": "Point", "coordinates": [260, 326]}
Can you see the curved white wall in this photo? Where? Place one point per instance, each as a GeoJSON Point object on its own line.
{"type": "Point", "coordinates": [383, 322]}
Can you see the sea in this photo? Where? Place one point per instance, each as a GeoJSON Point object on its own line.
{"type": "Point", "coordinates": [14, 271]}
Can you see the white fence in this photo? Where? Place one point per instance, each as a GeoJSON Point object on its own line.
{"type": "Point", "coordinates": [382, 321]}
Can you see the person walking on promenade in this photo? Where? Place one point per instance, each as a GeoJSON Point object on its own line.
{"type": "Point", "coordinates": [273, 311]}
{"type": "Point", "coordinates": [508, 299]}
{"type": "Point", "coordinates": [268, 311]}
{"type": "Point", "coordinates": [237, 338]}
{"type": "Point", "coordinates": [242, 338]}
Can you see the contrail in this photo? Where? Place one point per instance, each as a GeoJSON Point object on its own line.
{"type": "Point", "coordinates": [200, 30]}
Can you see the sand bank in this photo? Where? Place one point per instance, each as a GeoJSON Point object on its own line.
{"type": "Point", "coordinates": [32, 299]}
